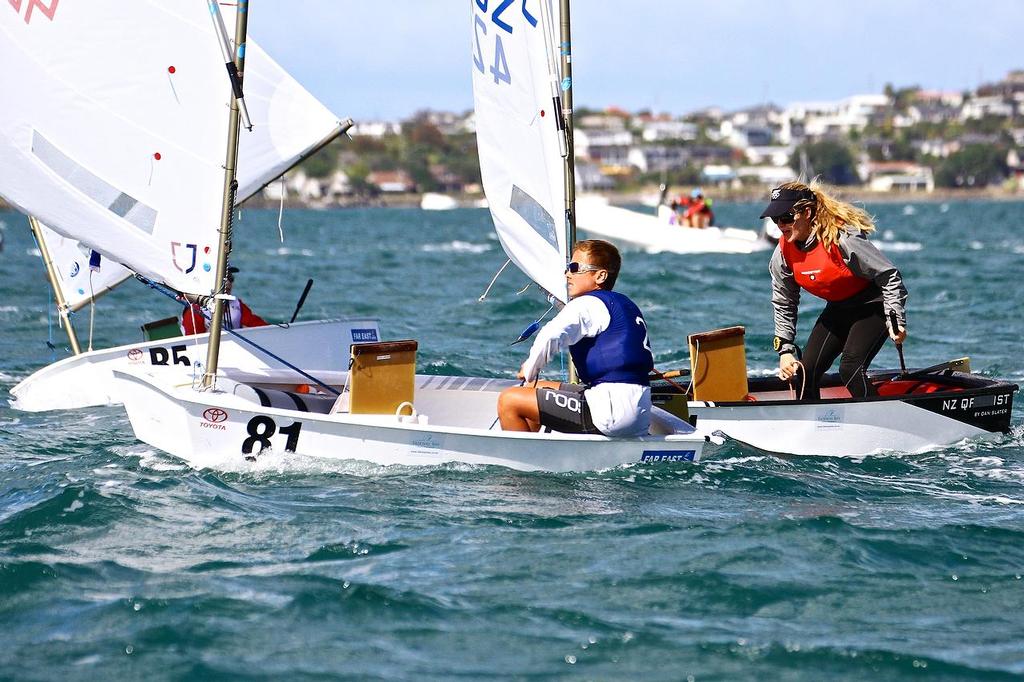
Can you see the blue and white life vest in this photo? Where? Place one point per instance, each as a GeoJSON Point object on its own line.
{"type": "Point", "coordinates": [620, 354]}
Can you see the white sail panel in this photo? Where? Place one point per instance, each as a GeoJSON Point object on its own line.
{"type": "Point", "coordinates": [288, 122]}
{"type": "Point", "coordinates": [517, 136]}
{"type": "Point", "coordinates": [117, 130]}
{"type": "Point", "coordinates": [77, 281]}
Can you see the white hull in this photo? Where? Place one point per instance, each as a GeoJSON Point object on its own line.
{"type": "Point", "coordinates": [654, 234]}
{"type": "Point", "coordinates": [913, 413]}
{"type": "Point", "coordinates": [845, 429]}
{"type": "Point", "coordinates": [86, 381]}
{"type": "Point", "coordinates": [220, 429]}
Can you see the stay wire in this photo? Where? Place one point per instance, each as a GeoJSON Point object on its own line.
{"type": "Point", "coordinates": [175, 297]}
{"type": "Point", "coordinates": [92, 308]}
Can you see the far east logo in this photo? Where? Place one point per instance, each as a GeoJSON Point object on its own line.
{"type": "Point", "coordinates": [668, 456]}
{"type": "Point", "coordinates": [363, 335]}
{"type": "Point", "coordinates": [215, 415]}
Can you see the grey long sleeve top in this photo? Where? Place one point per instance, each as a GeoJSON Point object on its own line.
{"type": "Point", "coordinates": [864, 260]}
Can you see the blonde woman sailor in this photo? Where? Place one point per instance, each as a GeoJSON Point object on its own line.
{"type": "Point", "coordinates": [824, 250]}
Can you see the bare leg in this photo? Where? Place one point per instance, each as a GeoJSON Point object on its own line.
{"type": "Point", "coordinates": [517, 407]}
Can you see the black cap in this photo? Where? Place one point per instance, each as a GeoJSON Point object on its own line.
{"type": "Point", "coordinates": [232, 270]}
{"type": "Point", "coordinates": [783, 201]}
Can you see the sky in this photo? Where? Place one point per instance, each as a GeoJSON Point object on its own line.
{"type": "Point", "coordinates": [386, 59]}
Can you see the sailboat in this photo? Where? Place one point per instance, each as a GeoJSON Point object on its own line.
{"type": "Point", "coordinates": [916, 410]}
{"type": "Point", "coordinates": [913, 411]}
{"type": "Point", "coordinates": [107, 135]}
{"type": "Point", "coordinates": [379, 410]}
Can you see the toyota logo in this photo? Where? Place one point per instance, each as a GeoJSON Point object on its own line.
{"type": "Point", "coordinates": [215, 415]}
{"type": "Point", "coordinates": [134, 355]}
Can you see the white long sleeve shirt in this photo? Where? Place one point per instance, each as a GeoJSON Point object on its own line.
{"type": "Point", "coordinates": [618, 410]}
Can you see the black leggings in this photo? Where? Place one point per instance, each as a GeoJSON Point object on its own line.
{"type": "Point", "coordinates": [858, 333]}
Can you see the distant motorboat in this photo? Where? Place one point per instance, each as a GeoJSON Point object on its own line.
{"type": "Point", "coordinates": [658, 233]}
{"type": "Point", "coordinates": [433, 201]}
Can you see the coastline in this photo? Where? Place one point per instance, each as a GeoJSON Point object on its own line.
{"type": "Point", "coordinates": [639, 196]}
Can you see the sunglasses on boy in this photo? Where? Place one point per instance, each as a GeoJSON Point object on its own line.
{"type": "Point", "coordinates": [574, 268]}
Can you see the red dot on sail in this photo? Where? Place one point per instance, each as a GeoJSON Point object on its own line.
{"type": "Point", "coordinates": [171, 69]}
{"type": "Point", "coordinates": [156, 156]}
{"type": "Point", "coordinates": [542, 113]}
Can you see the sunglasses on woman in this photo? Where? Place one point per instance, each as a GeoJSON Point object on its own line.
{"type": "Point", "coordinates": [784, 219]}
{"type": "Point", "coordinates": [574, 268]}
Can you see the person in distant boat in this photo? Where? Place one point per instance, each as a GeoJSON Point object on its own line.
{"type": "Point", "coordinates": [824, 250]}
{"type": "Point", "coordinates": [606, 335]}
{"type": "Point", "coordinates": [679, 207]}
{"type": "Point", "coordinates": [236, 316]}
{"type": "Point", "coordinates": [698, 212]}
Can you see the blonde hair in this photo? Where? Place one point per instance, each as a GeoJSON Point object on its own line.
{"type": "Point", "coordinates": [829, 215]}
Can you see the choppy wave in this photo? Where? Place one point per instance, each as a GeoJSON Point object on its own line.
{"type": "Point", "coordinates": [899, 246]}
{"type": "Point", "coordinates": [288, 251]}
{"type": "Point", "coordinates": [120, 561]}
{"type": "Point", "coordinates": [457, 246]}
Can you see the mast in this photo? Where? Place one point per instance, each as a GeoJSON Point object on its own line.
{"type": "Point", "coordinates": [58, 293]}
{"type": "Point", "coordinates": [565, 43]}
{"type": "Point", "coordinates": [235, 71]}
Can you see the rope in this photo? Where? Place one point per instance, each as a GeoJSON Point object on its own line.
{"type": "Point", "coordinates": [307, 375]}
{"type": "Point", "coordinates": [803, 382]}
{"type": "Point", "coordinates": [696, 366]}
{"type": "Point", "coordinates": [678, 387]}
{"type": "Point", "coordinates": [280, 211]}
{"type": "Point", "coordinates": [493, 279]}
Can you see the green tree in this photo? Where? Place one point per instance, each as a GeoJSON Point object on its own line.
{"type": "Point", "coordinates": [357, 174]}
{"type": "Point", "coordinates": [832, 160]}
{"type": "Point", "coordinates": [461, 158]}
{"type": "Point", "coordinates": [321, 164]}
{"type": "Point", "coordinates": [975, 165]}
{"type": "Point", "coordinates": [421, 131]}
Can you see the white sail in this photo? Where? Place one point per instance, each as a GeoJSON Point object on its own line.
{"type": "Point", "coordinates": [114, 126]}
{"type": "Point", "coordinates": [288, 122]}
{"type": "Point", "coordinates": [79, 283]}
{"type": "Point", "coordinates": [517, 135]}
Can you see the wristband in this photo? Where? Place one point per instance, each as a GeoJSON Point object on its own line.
{"type": "Point", "coordinates": [782, 347]}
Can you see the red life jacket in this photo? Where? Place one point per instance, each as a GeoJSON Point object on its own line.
{"type": "Point", "coordinates": [822, 271]}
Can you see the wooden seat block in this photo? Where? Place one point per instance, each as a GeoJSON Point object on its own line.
{"type": "Point", "coordinates": [718, 364]}
{"type": "Point", "coordinates": [382, 376]}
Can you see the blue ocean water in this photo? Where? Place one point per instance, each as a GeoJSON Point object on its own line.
{"type": "Point", "coordinates": [119, 561]}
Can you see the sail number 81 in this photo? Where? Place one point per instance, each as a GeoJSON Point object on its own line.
{"type": "Point", "coordinates": [499, 66]}
{"type": "Point", "coordinates": [261, 428]}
